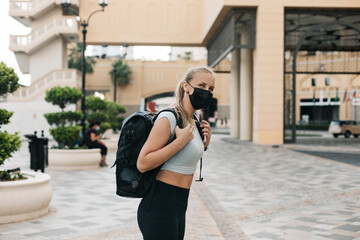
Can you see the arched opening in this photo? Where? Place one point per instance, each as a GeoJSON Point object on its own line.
{"type": "Point", "coordinates": [328, 33]}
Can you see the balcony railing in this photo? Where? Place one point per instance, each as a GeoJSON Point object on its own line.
{"type": "Point", "coordinates": [18, 5]}
{"type": "Point", "coordinates": [55, 26]}
{"type": "Point", "coordinates": [27, 6]}
{"type": "Point", "coordinates": [61, 77]}
{"type": "Point", "coordinates": [334, 62]}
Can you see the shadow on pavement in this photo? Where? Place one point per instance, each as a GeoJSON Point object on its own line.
{"type": "Point", "coordinates": [349, 158]}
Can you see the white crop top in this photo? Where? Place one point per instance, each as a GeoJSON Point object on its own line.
{"type": "Point", "coordinates": [184, 161]}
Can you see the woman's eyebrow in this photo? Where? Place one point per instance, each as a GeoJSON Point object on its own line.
{"type": "Point", "coordinates": [207, 84]}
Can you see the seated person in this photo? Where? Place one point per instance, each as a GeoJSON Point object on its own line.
{"type": "Point", "coordinates": [92, 141]}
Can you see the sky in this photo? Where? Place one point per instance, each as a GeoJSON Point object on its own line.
{"type": "Point", "coordinates": [10, 26]}
{"type": "Point", "coordinates": [152, 53]}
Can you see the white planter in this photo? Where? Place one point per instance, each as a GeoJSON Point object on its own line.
{"type": "Point", "coordinates": [111, 144]}
{"type": "Point", "coordinates": [74, 159]}
{"type": "Point", "coordinates": [25, 199]}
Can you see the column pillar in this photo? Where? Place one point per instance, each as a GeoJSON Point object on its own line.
{"type": "Point", "coordinates": [268, 74]}
{"type": "Point", "coordinates": [234, 94]}
{"type": "Point", "coordinates": [246, 68]}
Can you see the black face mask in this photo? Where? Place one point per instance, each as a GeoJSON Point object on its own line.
{"type": "Point", "coordinates": [200, 98]}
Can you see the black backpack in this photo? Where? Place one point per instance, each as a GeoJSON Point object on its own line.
{"type": "Point", "coordinates": [130, 182]}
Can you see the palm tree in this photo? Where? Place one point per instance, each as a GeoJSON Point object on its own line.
{"type": "Point", "coordinates": [75, 59]}
{"type": "Point", "coordinates": [120, 74]}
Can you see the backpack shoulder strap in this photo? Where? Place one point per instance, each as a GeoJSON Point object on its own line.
{"type": "Point", "coordinates": [173, 111]}
{"type": "Point", "coordinates": [197, 123]}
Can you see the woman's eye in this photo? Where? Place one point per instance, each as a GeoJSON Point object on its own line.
{"type": "Point", "coordinates": [201, 85]}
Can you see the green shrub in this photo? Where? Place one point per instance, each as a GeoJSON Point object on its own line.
{"type": "Point", "coordinates": [9, 143]}
{"type": "Point", "coordinates": [67, 132]}
{"type": "Point", "coordinates": [117, 123]}
{"type": "Point", "coordinates": [5, 117]}
{"type": "Point", "coordinates": [8, 80]}
{"type": "Point", "coordinates": [114, 110]}
{"type": "Point", "coordinates": [104, 126]}
{"type": "Point", "coordinates": [63, 96]}
{"type": "Point", "coordinates": [10, 176]}
{"type": "Point", "coordinates": [103, 111]}
{"type": "Point", "coordinates": [97, 116]}
{"type": "Point", "coordinates": [95, 103]}
{"type": "Point", "coordinates": [66, 136]}
{"type": "Point", "coordinates": [61, 118]}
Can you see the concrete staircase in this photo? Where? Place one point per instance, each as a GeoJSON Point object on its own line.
{"type": "Point", "coordinates": [65, 26]}
{"type": "Point", "coordinates": [25, 45]}
{"type": "Point", "coordinates": [29, 106]}
{"type": "Point", "coordinates": [25, 10]}
{"type": "Point", "coordinates": [37, 90]}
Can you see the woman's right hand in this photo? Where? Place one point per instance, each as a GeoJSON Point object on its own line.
{"type": "Point", "coordinates": [185, 135]}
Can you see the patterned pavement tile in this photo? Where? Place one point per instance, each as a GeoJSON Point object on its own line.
{"type": "Point", "coordinates": [249, 192]}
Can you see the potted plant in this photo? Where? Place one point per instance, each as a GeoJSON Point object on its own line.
{"type": "Point", "coordinates": [24, 195]}
{"type": "Point", "coordinates": [108, 114]}
{"type": "Point", "coordinates": [67, 155]}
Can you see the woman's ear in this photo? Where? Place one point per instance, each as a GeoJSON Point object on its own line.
{"type": "Point", "coordinates": [185, 87]}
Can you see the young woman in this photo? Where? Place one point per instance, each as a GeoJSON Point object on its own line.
{"type": "Point", "coordinates": [92, 141]}
{"type": "Point", "coordinates": [161, 215]}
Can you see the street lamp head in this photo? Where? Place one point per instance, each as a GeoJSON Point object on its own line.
{"type": "Point", "coordinates": [103, 3]}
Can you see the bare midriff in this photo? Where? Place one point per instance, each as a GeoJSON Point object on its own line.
{"type": "Point", "coordinates": [175, 179]}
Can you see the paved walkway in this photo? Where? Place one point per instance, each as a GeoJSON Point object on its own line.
{"type": "Point", "coordinates": [249, 192]}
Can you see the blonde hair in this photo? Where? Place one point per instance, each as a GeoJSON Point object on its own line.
{"type": "Point", "coordinates": [180, 92]}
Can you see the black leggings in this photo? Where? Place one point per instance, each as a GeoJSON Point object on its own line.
{"type": "Point", "coordinates": [165, 217]}
{"type": "Point", "coordinates": [98, 145]}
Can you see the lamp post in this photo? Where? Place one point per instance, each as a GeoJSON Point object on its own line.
{"type": "Point", "coordinates": [66, 4]}
{"type": "Point", "coordinates": [114, 72]}
{"type": "Point", "coordinates": [313, 84]}
{"type": "Point", "coordinates": [125, 46]}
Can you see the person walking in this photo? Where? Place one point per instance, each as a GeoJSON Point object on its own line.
{"type": "Point", "coordinates": [92, 141]}
{"type": "Point", "coordinates": [161, 214]}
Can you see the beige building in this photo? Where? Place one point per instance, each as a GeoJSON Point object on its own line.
{"type": "Point", "coordinates": [257, 34]}
{"type": "Point", "coordinates": [152, 79]}
{"type": "Point", "coordinates": [257, 106]}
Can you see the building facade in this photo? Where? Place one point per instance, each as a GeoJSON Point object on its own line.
{"type": "Point", "coordinates": [258, 86]}
{"type": "Point", "coordinates": [263, 39]}
{"type": "Point", "coordinates": [151, 80]}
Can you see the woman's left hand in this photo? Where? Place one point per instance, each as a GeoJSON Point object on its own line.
{"type": "Point", "coordinates": [206, 131]}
